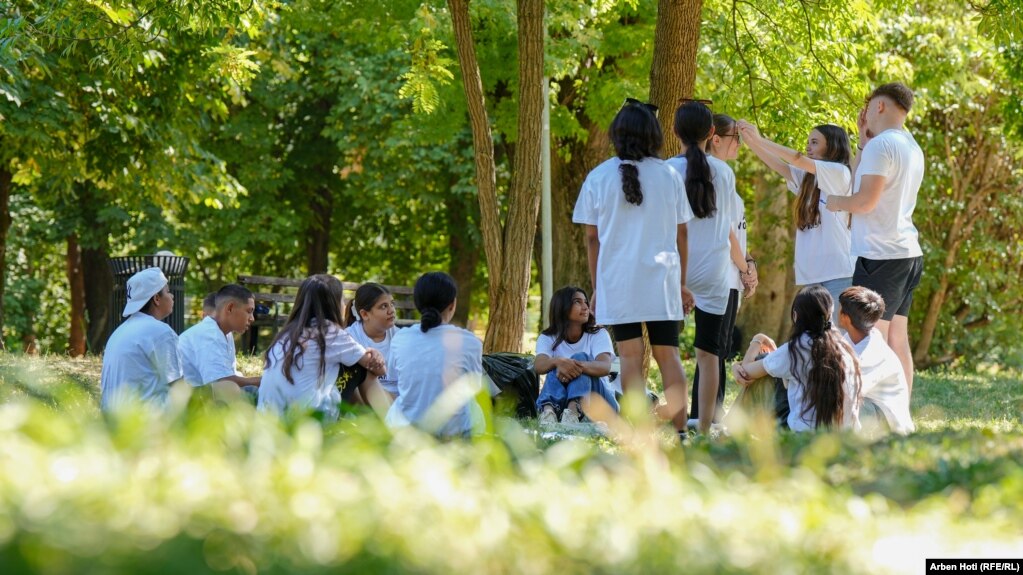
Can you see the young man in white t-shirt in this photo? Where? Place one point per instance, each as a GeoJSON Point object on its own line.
{"type": "Point", "coordinates": [884, 390]}
{"type": "Point", "coordinates": [207, 348]}
{"type": "Point", "coordinates": [141, 360]}
{"type": "Point", "coordinates": [887, 173]}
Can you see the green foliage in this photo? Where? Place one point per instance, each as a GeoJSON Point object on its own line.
{"type": "Point", "coordinates": [225, 488]}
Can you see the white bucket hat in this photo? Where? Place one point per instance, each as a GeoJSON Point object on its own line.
{"type": "Point", "coordinates": [142, 287]}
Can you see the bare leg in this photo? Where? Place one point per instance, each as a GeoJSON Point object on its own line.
{"type": "Point", "coordinates": [708, 364]}
{"type": "Point", "coordinates": [675, 387]}
{"type": "Point", "coordinates": [898, 340]}
{"type": "Point", "coordinates": [630, 352]}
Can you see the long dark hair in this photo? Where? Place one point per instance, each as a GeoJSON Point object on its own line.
{"type": "Point", "coordinates": [365, 297]}
{"type": "Point", "coordinates": [636, 135]}
{"type": "Point", "coordinates": [433, 293]}
{"type": "Point", "coordinates": [808, 209]}
{"type": "Point", "coordinates": [561, 306]}
{"type": "Point", "coordinates": [824, 369]}
{"type": "Point", "coordinates": [693, 122]}
{"type": "Point", "coordinates": [317, 307]}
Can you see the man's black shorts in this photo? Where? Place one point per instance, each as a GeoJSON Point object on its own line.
{"type": "Point", "coordinates": [894, 280]}
{"type": "Point", "coordinates": [660, 332]}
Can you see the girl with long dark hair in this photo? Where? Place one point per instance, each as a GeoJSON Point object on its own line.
{"type": "Point", "coordinates": [302, 364]}
{"type": "Point", "coordinates": [438, 367]}
{"type": "Point", "coordinates": [817, 365]}
{"type": "Point", "coordinates": [635, 212]}
{"type": "Point", "coordinates": [822, 255]}
{"type": "Point", "coordinates": [576, 355]}
{"type": "Point", "coordinates": [714, 252]}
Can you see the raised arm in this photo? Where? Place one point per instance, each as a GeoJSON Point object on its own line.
{"type": "Point", "coordinates": [776, 156]}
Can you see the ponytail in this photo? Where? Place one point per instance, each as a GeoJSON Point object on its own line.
{"type": "Point", "coordinates": [630, 182]}
{"type": "Point", "coordinates": [693, 123]}
{"type": "Point", "coordinates": [434, 292]}
{"type": "Point", "coordinates": [349, 314]}
{"type": "Point", "coordinates": [430, 319]}
{"type": "Point", "coordinates": [808, 209]}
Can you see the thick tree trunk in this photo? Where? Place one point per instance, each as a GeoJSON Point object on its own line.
{"type": "Point", "coordinates": [770, 241]}
{"type": "Point", "coordinates": [461, 214]}
{"type": "Point", "coordinates": [482, 143]}
{"type": "Point", "coordinates": [318, 232]}
{"type": "Point", "coordinates": [508, 312]}
{"type": "Point", "coordinates": [99, 286]}
{"type": "Point", "coordinates": [673, 71]}
{"type": "Point", "coordinates": [5, 226]}
{"type": "Point", "coordinates": [76, 284]}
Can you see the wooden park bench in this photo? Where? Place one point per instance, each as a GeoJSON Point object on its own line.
{"type": "Point", "coordinates": [275, 297]}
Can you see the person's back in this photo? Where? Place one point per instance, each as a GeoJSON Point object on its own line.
{"type": "Point", "coordinates": [796, 380]}
{"type": "Point", "coordinates": [141, 358]}
{"type": "Point", "coordinates": [207, 354]}
{"type": "Point", "coordinates": [887, 232]}
{"type": "Point", "coordinates": [427, 364]}
{"type": "Point", "coordinates": [884, 382]}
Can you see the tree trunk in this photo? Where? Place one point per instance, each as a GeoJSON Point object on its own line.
{"type": "Point", "coordinates": [318, 232]}
{"type": "Point", "coordinates": [99, 285]}
{"type": "Point", "coordinates": [461, 214]}
{"type": "Point", "coordinates": [482, 142]}
{"type": "Point", "coordinates": [508, 311]}
{"type": "Point", "coordinates": [5, 226]}
{"type": "Point", "coordinates": [76, 284]}
{"type": "Point", "coordinates": [770, 241]}
{"type": "Point", "coordinates": [673, 71]}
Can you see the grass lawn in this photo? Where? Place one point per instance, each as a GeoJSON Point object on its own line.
{"type": "Point", "coordinates": [225, 489]}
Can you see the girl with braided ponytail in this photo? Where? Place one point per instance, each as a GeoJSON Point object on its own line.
{"type": "Point", "coordinates": [817, 365]}
{"type": "Point", "coordinates": [710, 186]}
{"type": "Point", "coordinates": [635, 212]}
{"type": "Point", "coordinates": [434, 362]}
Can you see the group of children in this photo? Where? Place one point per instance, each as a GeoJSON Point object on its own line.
{"type": "Point", "coordinates": [664, 238]}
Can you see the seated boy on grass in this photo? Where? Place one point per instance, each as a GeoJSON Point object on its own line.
{"type": "Point", "coordinates": [885, 391]}
{"type": "Point", "coordinates": [141, 360]}
{"type": "Point", "coordinates": [207, 348]}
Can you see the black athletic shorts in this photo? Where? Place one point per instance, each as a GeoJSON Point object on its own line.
{"type": "Point", "coordinates": [893, 280]}
{"type": "Point", "coordinates": [710, 332]}
{"type": "Point", "coordinates": [660, 332]}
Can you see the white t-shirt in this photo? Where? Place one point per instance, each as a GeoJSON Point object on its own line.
{"type": "Point", "coordinates": [592, 344]}
{"type": "Point", "coordinates": [639, 272]}
{"type": "Point", "coordinates": [710, 266]}
{"type": "Point", "coordinates": [140, 362]}
{"type": "Point", "coordinates": [887, 232]}
{"type": "Point", "coordinates": [740, 232]}
{"type": "Point", "coordinates": [428, 364]}
{"type": "Point", "coordinates": [358, 332]}
{"type": "Point", "coordinates": [884, 381]}
{"type": "Point", "coordinates": [779, 364]}
{"type": "Point", "coordinates": [310, 390]}
{"type": "Point", "coordinates": [207, 353]}
{"type": "Point", "coordinates": [822, 252]}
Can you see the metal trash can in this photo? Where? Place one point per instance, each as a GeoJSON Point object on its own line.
{"type": "Point", "coordinates": [124, 267]}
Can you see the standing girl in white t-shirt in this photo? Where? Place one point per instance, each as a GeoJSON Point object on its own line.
{"type": "Point", "coordinates": [817, 365]}
{"type": "Point", "coordinates": [303, 362]}
{"type": "Point", "coordinates": [635, 211]}
{"type": "Point", "coordinates": [576, 355]}
{"type": "Point", "coordinates": [438, 367]}
{"type": "Point", "coordinates": [714, 252]}
{"type": "Point", "coordinates": [822, 237]}
{"type": "Point", "coordinates": [369, 318]}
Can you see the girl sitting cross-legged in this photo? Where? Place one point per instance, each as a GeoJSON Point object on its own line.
{"type": "Point", "coordinates": [576, 355]}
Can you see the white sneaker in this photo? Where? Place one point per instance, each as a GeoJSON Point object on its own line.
{"type": "Point", "coordinates": [548, 416]}
{"type": "Point", "coordinates": [571, 414]}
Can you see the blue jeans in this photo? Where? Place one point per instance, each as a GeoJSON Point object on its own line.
{"type": "Point", "coordinates": [835, 287]}
{"type": "Point", "coordinates": [558, 394]}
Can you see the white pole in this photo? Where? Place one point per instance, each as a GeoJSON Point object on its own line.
{"type": "Point", "coordinates": [547, 257]}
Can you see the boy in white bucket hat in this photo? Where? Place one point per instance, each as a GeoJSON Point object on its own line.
{"type": "Point", "coordinates": [141, 359]}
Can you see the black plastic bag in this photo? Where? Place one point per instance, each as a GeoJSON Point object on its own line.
{"type": "Point", "coordinates": [514, 375]}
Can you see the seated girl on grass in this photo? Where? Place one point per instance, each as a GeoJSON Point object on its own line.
{"type": "Point", "coordinates": [303, 362]}
{"type": "Point", "coordinates": [438, 367]}
{"type": "Point", "coordinates": [576, 355]}
{"type": "Point", "coordinates": [818, 367]}
{"type": "Point", "coordinates": [369, 318]}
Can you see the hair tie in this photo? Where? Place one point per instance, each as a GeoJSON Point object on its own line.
{"type": "Point", "coordinates": [827, 325]}
{"type": "Point", "coordinates": [629, 162]}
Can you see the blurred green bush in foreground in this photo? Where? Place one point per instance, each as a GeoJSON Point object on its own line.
{"type": "Point", "coordinates": [226, 489]}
